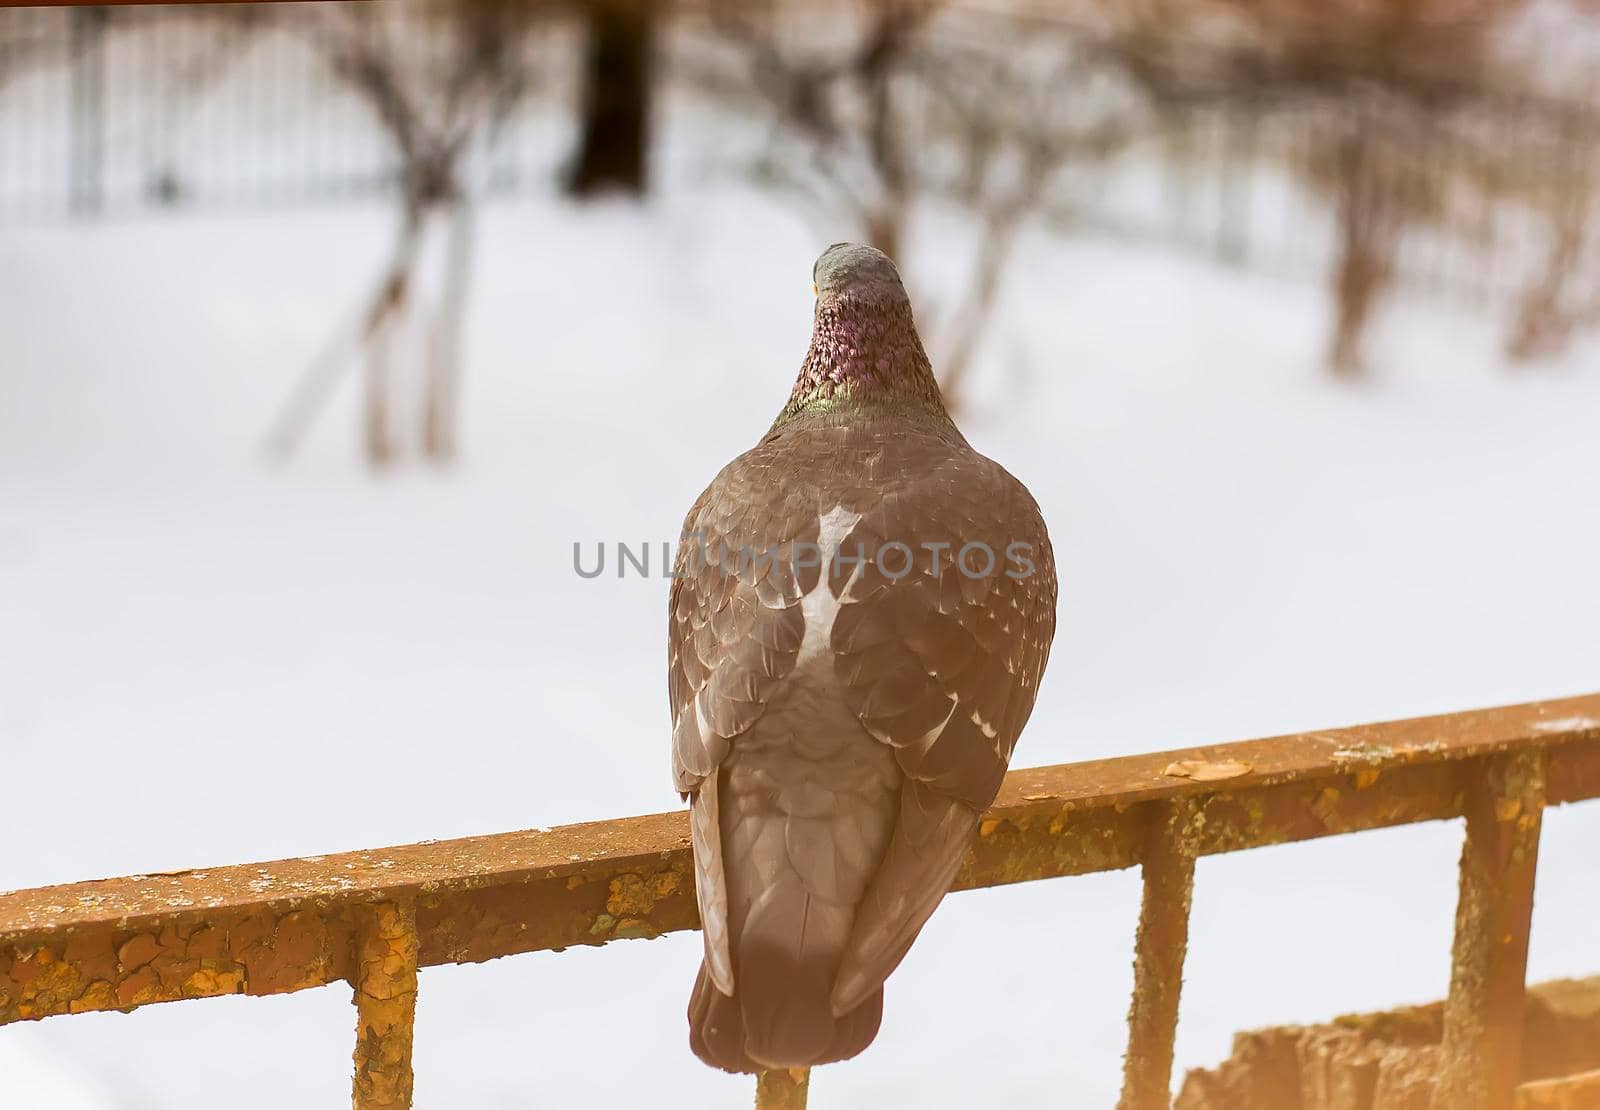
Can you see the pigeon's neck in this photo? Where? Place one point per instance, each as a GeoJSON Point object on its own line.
{"type": "Point", "coordinates": [865, 357]}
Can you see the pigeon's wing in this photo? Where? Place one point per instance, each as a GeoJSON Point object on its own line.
{"type": "Point", "coordinates": [735, 629]}
{"type": "Point", "coordinates": [940, 652]}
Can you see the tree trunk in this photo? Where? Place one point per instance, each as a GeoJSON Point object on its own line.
{"type": "Point", "coordinates": [614, 149]}
{"type": "Point", "coordinates": [377, 430]}
{"type": "Point", "coordinates": [388, 310]}
{"type": "Point", "coordinates": [1544, 322]}
{"type": "Point", "coordinates": [441, 409]}
{"type": "Point", "coordinates": [1367, 233]}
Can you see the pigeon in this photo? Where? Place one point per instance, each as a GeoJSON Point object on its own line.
{"type": "Point", "coordinates": [860, 614]}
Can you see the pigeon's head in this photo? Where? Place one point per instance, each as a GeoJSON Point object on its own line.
{"type": "Point", "coordinates": [865, 356]}
{"type": "Point", "coordinates": [859, 272]}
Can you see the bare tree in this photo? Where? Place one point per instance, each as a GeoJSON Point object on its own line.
{"type": "Point", "coordinates": [1553, 307]}
{"type": "Point", "coordinates": [435, 95]}
{"type": "Point", "coordinates": [1386, 167]}
{"type": "Point", "coordinates": [1564, 294]}
{"type": "Point", "coordinates": [1377, 91]}
{"type": "Point", "coordinates": [877, 111]}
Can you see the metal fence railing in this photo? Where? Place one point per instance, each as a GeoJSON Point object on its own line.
{"type": "Point", "coordinates": [110, 111]}
{"type": "Point", "coordinates": [374, 918]}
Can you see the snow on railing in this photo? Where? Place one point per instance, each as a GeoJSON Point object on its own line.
{"type": "Point", "coordinates": [373, 918]}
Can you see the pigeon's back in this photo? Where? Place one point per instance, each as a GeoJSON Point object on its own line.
{"type": "Point", "coordinates": [861, 617]}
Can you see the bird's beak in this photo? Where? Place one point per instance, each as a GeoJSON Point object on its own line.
{"type": "Point", "coordinates": [813, 289]}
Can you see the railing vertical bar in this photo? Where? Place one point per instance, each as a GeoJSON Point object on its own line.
{"type": "Point", "coordinates": [385, 982]}
{"type": "Point", "coordinates": [784, 1089]}
{"type": "Point", "coordinates": [1159, 949]}
{"type": "Point", "coordinates": [1483, 1016]}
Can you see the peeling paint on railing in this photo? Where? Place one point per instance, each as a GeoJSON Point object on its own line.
{"type": "Point", "coordinates": [272, 928]}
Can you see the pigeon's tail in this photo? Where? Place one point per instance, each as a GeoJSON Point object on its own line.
{"type": "Point", "coordinates": [780, 1015]}
{"type": "Point", "coordinates": [717, 1031]}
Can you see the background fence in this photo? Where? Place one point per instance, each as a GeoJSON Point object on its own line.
{"type": "Point", "coordinates": [1485, 193]}
{"type": "Point", "coordinates": [110, 111]}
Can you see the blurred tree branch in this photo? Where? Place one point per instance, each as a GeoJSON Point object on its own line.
{"type": "Point", "coordinates": [892, 109]}
{"type": "Point", "coordinates": [434, 97]}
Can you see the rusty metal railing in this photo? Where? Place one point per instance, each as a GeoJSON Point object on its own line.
{"type": "Point", "coordinates": [373, 918]}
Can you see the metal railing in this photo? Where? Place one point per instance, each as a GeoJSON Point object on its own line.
{"type": "Point", "coordinates": [373, 918]}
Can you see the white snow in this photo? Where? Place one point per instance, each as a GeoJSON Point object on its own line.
{"type": "Point", "coordinates": [35, 1077]}
{"type": "Point", "coordinates": [206, 659]}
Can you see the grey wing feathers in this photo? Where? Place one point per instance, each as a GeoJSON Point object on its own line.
{"type": "Point", "coordinates": [929, 843]}
{"type": "Point", "coordinates": [711, 890]}
{"type": "Point", "coordinates": [734, 632]}
{"type": "Point", "coordinates": [943, 666]}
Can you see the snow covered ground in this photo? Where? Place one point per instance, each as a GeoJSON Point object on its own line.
{"type": "Point", "coordinates": [208, 659]}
